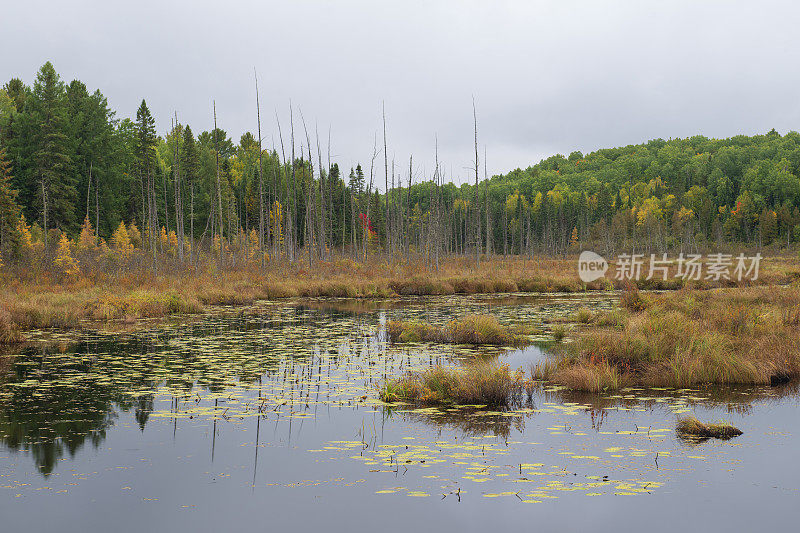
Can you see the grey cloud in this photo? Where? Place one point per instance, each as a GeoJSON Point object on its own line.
{"type": "Point", "coordinates": [546, 76]}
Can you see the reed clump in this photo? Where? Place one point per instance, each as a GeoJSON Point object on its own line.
{"type": "Point", "coordinates": [632, 300]}
{"type": "Point", "coordinates": [587, 376]}
{"type": "Point", "coordinates": [9, 334]}
{"type": "Point", "coordinates": [688, 338]}
{"type": "Point", "coordinates": [559, 332]}
{"type": "Point", "coordinates": [584, 316]}
{"type": "Point", "coordinates": [469, 329]}
{"type": "Point", "coordinates": [691, 428]}
{"type": "Point", "coordinates": [479, 383]}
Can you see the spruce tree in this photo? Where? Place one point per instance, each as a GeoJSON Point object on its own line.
{"type": "Point", "coordinates": [357, 180]}
{"type": "Point", "coordinates": [190, 165]}
{"type": "Point", "coordinates": [91, 130]}
{"type": "Point", "coordinates": [145, 162]}
{"type": "Point", "coordinates": [9, 211]}
{"type": "Point", "coordinates": [18, 92]}
{"type": "Point", "coordinates": [51, 156]}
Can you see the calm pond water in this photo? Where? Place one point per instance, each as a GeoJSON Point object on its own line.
{"type": "Point", "coordinates": [269, 419]}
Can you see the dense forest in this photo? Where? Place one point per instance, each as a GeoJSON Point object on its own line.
{"type": "Point", "coordinates": [74, 175]}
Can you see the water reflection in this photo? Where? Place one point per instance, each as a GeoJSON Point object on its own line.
{"type": "Point", "coordinates": [284, 396]}
{"type": "Point", "coordinates": [55, 397]}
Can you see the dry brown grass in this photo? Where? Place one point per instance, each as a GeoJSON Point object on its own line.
{"type": "Point", "coordinates": [479, 383]}
{"type": "Point", "coordinates": [689, 338]}
{"type": "Point", "coordinates": [469, 329]}
{"type": "Point", "coordinates": [8, 332]}
{"type": "Point", "coordinates": [35, 298]}
{"type": "Point", "coordinates": [587, 376]}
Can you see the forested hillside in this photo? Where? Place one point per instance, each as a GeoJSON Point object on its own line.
{"type": "Point", "coordinates": [70, 165]}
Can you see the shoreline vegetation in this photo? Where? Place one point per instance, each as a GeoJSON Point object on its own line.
{"type": "Point", "coordinates": [469, 329]}
{"type": "Point", "coordinates": [686, 338]}
{"type": "Point", "coordinates": [35, 299]}
{"type": "Point", "coordinates": [678, 339]}
{"type": "Point", "coordinates": [104, 218]}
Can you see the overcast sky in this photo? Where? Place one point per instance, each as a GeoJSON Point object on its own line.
{"type": "Point", "coordinates": [547, 77]}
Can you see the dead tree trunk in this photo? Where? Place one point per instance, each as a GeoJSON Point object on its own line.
{"type": "Point", "coordinates": [386, 177]}
{"type": "Point", "coordinates": [477, 204]}
{"type": "Point", "coordinates": [365, 223]}
{"type": "Point", "coordinates": [96, 212]}
{"type": "Point", "coordinates": [88, 191]}
{"type": "Point", "coordinates": [294, 185]}
{"type": "Point", "coordinates": [178, 197]}
{"type": "Point", "coordinates": [260, 181]}
{"type": "Point", "coordinates": [486, 204]}
{"type": "Point", "coordinates": [219, 190]}
{"type": "Point", "coordinates": [44, 213]}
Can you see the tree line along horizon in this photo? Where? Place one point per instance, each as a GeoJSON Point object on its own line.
{"type": "Point", "coordinates": [70, 167]}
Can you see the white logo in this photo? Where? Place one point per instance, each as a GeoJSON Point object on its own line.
{"type": "Point", "coordinates": [591, 266]}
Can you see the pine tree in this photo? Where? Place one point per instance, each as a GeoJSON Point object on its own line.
{"type": "Point", "coordinates": [7, 112]}
{"type": "Point", "coordinates": [90, 127]}
{"type": "Point", "coordinates": [17, 91]}
{"type": "Point", "coordinates": [146, 159]}
{"type": "Point", "coordinates": [357, 180]}
{"type": "Point", "coordinates": [190, 166]}
{"type": "Point", "coordinates": [51, 156]}
{"type": "Point", "coordinates": [9, 211]}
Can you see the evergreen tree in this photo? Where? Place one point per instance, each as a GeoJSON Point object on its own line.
{"type": "Point", "coordinates": [51, 156]}
{"type": "Point", "coordinates": [7, 111]}
{"type": "Point", "coordinates": [357, 181]}
{"type": "Point", "coordinates": [9, 211]}
{"type": "Point", "coordinates": [190, 166]}
{"type": "Point", "coordinates": [146, 168]}
{"type": "Point", "coordinates": [91, 132]}
{"type": "Point", "coordinates": [17, 91]}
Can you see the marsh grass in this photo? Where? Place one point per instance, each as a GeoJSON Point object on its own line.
{"type": "Point", "coordinates": [559, 332]}
{"type": "Point", "coordinates": [584, 316]}
{"type": "Point", "coordinates": [470, 329]}
{"type": "Point", "coordinates": [692, 429]}
{"type": "Point", "coordinates": [37, 298]}
{"type": "Point", "coordinates": [478, 383]}
{"type": "Point", "coordinates": [688, 338]}
{"type": "Point", "coordinates": [8, 333]}
{"type": "Point", "coordinates": [587, 376]}
{"type": "Point", "coordinates": [615, 318]}
{"type": "Point", "coordinates": [70, 310]}
{"type": "Point", "coordinates": [632, 299]}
